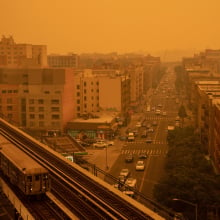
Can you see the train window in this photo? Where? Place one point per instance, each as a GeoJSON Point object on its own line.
{"type": "Point", "coordinates": [29, 178]}
{"type": "Point", "coordinates": [37, 177]}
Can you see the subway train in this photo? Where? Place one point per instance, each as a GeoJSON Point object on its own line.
{"type": "Point", "coordinates": [21, 170]}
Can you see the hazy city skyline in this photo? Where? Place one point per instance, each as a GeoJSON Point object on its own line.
{"type": "Point", "coordinates": [105, 26]}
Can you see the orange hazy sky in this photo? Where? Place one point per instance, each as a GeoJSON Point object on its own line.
{"type": "Point", "coordinates": [112, 25]}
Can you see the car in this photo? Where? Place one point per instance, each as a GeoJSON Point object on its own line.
{"type": "Point", "coordinates": [124, 172]}
{"type": "Point", "coordinates": [100, 144]}
{"type": "Point", "coordinates": [150, 130]}
{"type": "Point", "coordinates": [158, 112]}
{"type": "Point", "coordinates": [142, 155]}
{"type": "Point", "coordinates": [138, 124]}
{"type": "Point", "coordinates": [164, 113]}
{"type": "Point", "coordinates": [110, 143]}
{"type": "Point", "coordinates": [159, 105]}
{"type": "Point", "coordinates": [149, 140]}
{"type": "Point", "coordinates": [140, 165]}
{"type": "Point", "coordinates": [129, 158]}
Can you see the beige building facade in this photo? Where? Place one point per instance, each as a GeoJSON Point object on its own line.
{"type": "Point", "coordinates": [37, 99]}
{"type": "Point", "coordinates": [15, 55]}
{"type": "Point", "coordinates": [100, 92]}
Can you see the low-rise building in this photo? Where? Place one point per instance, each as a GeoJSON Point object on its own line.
{"type": "Point", "coordinates": [101, 126]}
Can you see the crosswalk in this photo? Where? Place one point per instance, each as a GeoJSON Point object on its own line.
{"type": "Point", "coordinates": [158, 118]}
{"type": "Point", "coordinates": [149, 152]}
{"type": "Point", "coordinates": [163, 142]}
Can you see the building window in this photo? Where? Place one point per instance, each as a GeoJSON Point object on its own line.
{"type": "Point", "coordinates": [85, 91]}
{"type": "Point", "coordinates": [41, 123]}
{"type": "Point", "coordinates": [84, 98]}
{"type": "Point", "coordinates": [55, 124]}
{"type": "Point", "coordinates": [31, 109]}
{"type": "Point", "coordinates": [55, 101]}
{"type": "Point", "coordinates": [41, 109]}
{"type": "Point", "coordinates": [31, 101]}
{"type": "Point", "coordinates": [55, 117]}
{"type": "Point", "coordinates": [32, 124]}
{"type": "Point", "coordinates": [10, 116]}
{"type": "Point", "coordinates": [41, 116]}
{"type": "Point", "coordinates": [9, 101]}
{"type": "Point", "coordinates": [78, 93]}
{"type": "Point", "coordinates": [84, 83]}
{"type": "Point", "coordinates": [32, 116]}
{"type": "Point", "coordinates": [78, 101]}
{"type": "Point", "coordinates": [78, 108]}
{"type": "Point", "coordinates": [40, 101]}
{"type": "Point", "coordinates": [55, 109]}
{"type": "Point", "coordinates": [78, 86]}
{"type": "Point", "coordinates": [85, 105]}
{"type": "Point", "coordinates": [9, 108]}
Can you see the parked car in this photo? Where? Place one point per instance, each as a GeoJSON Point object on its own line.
{"type": "Point", "coordinates": [124, 172]}
{"type": "Point", "coordinates": [100, 144]}
{"type": "Point", "coordinates": [150, 130]}
{"type": "Point", "coordinates": [110, 143]}
{"type": "Point", "coordinates": [129, 158]}
{"type": "Point", "coordinates": [140, 165]}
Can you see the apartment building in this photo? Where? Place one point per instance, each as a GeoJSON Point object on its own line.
{"type": "Point", "coordinates": [100, 92]}
{"type": "Point", "coordinates": [63, 61]}
{"type": "Point", "coordinates": [136, 84]}
{"type": "Point", "coordinates": [37, 99]}
{"type": "Point", "coordinates": [216, 150]}
{"type": "Point", "coordinates": [21, 55]}
{"type": "Point", "coordinates": [208, 96]}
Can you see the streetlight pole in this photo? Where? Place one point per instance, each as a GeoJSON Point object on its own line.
{"type": "Point", "coordinates": [106, 157]}
{"type": "Point", "coordinates": [190, 203]}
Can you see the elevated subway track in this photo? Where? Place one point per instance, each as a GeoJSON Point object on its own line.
{"type": "Point", "coordinates": [95, 195]}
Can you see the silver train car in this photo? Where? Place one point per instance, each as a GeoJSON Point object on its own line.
{"type": "Point", "coordinates": [21, 170]}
